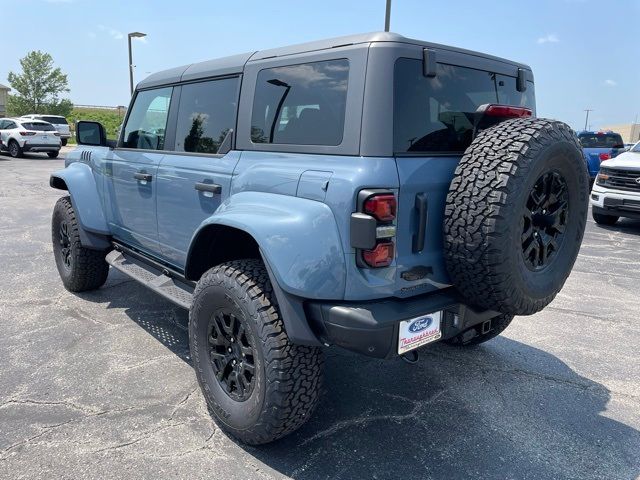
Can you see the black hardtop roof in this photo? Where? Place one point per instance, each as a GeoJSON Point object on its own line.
{"type": "Point", "coordinates": [235, 63]}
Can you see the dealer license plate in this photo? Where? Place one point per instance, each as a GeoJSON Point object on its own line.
{"type": "Point", "coordinates": [419, 331]}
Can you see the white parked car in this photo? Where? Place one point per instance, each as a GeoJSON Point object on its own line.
{"type": "Point", "coordinates": [616, 191]}
{"type": "Point", "coordinates": [58, 121]}
{"type": "Point", "coordinates": [19, 135]}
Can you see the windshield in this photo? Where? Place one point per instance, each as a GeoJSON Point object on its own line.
{"type": "Point", "coordinates": [437, 114]}
{"type": "Point", "coordinates": [39, 127]}
{"type": "Point", "coordinates": [55, 120]}
{"type": "Point", "coordinates": [635, 148]}
{"type": "Point", "coordinates": [601, 140]}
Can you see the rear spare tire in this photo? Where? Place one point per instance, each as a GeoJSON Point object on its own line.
{"type": "Point", "coordinates": [515, 215]}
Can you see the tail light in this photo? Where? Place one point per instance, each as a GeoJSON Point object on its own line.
{"type": "Point", "coordinates": [27, 134]}
{"type": "Point", "coordinates": [605, 156]}
{"type": "Point", "coordinates": [373, 228]}
{"type": "Point", "coordinates": [57, 134]}
{"type": "Point", "coordinates": [381, 207]}
{"type": "Point", "coordinates": [381, 256]}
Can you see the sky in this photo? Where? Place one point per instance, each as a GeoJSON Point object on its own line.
{"type": "Point", "coordinates": [584, 53]}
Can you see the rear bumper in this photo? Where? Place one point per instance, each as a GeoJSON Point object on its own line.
{"type": "Point", "coordinates": [44, 147]}
{"type": "Point", "coordinates": [371, 328]}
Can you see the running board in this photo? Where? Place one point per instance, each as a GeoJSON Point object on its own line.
{"type": "Point", "coordinates": [170, 288]}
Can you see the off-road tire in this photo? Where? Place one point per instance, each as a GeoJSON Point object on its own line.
{"type": "Point", "coordinates": [484, 221]}
{"type": "Point", "coordinates": [287, 378]}
{"type": "Point", "coordinates": [601, 219]}
{"type": "Point", "coordinates": [53, 154]}
{"type": "Point", "coordinates": [80, 269]}
{"type": "Point", "coordinates": [468, 339]}
{"type": "Point", "coordinates": [15, 150]}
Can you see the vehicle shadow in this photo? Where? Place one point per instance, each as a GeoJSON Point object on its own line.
{"type": "Point", "coordinates": [626, 225]}
{"type": "Point", "coordinates": [501, 410]}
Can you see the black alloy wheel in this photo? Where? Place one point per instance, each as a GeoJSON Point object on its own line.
{"type": "Point", "coordinates": [544, 220]}
{"type": "Point", "coordinates": [232, 356]}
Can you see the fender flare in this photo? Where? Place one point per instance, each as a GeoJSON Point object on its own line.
{"type": "Point", "coordinates": [79, 181]}
{"type": "Point", "coordinates": [298, 238]}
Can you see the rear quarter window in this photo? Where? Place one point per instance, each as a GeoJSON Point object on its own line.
{"type": "Point", "coordinates": [301, 104]}
{"type": "Point", "coordinates": [436, 115]}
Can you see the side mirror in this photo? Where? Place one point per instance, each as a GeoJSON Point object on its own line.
{"type": "Point", "coordinates": [91, 133]}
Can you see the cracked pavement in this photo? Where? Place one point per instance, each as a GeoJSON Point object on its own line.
{"type": "Point", "coordinates": [99, 385]}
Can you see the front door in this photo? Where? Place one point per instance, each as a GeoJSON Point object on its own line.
{"type": "Point", "coordinates": [131, 169]}
{"type": "Point", "coordinates": [194, 179]}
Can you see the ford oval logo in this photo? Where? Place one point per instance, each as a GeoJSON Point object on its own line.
{"type": "Point", "coordinates": [420, 324]}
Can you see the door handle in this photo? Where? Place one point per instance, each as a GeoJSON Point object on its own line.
{"type": "Point", "coordinates": [145, 177]}
{"type": "Point", "coordinates": [208, 187]}
{"type": "Point", "coordinates": [421, 207]}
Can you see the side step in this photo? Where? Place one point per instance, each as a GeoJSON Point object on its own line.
{"type": "Point", "coordinates": [170, 288]}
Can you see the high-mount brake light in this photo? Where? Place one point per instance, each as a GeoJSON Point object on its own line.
{"type": "Point", "coordinates": [508, 111]}
{"type": "Point", "coordinates": [381, 256]}
{"type": "Point", "coordinates": [381, 207]}
{"type": "Point", "coordinates": [605, 156]}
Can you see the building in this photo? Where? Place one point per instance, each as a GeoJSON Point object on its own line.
{"type": "Point", "coordinates": [630, 132]}
{"type": "Point", "coordinates": [4, 94]}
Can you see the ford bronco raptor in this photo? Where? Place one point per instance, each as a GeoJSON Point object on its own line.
{"type": "Point", "coordinates": [373, 192]}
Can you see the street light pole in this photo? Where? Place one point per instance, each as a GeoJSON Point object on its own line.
{"type": "Point", "coordinates": [586, 120]}
{"type": "Point", "coordinates": [129, 37]}
{"type": "Point", "coordinates": [387, 17]}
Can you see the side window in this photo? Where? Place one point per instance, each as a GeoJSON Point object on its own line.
{"type": "Point", "coordinates": [2, 124]}
{"type": "Point", "coordinates": [147, 122]}
{"type": "Point", "coordinates": [301, 104]}
{"type": "Point", "coordinates": [207, 111]}
{"type": "Point", "coordinates": [10, 125]}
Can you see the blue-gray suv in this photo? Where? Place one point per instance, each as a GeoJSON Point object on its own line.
{"type": "Point", "coordinates": [373, 192]}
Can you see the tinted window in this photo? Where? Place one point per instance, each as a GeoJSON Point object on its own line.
{"type": "Point", "coordinates": [207, 111]}
{"type": "Point", "coordinates": [301, 104]}
{"type": "Point", "coordinates": [601, 140]}
{"type": "Point", "coordinates": [54, 120]}
{"type": "Point", "coordinates": [636, 148]}
{"type": "Point", "coordinates": [39, 127]}
{"type": "Point", "coordinates": [436, 114]}
{"type": "Point", "coordinates": [147, 122]}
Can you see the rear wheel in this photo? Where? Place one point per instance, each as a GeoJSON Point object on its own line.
{"type": "Point", "coordinates": [258, 385]}
{"type": "Point", "coordinates": [53, 154]}
{"type": "Point", "coordinates": [14, 149]}
{"type": "Point", "coordinates": [64, 142]}
{"type": "Point", "coordinates": [515, 215]}
{"type": "Point", "coordinates": [602, 219]}
{"type": "Point", "coordinates": [80, 268]}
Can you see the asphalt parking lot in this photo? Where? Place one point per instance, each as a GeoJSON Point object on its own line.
{"type": "Point", "coordinates": [99, 385]}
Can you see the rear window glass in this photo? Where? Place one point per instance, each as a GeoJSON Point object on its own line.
{"type": "Point", "coordinates": [39, 127]}
{"type": "Point", "coordinates": [301, 104]}
{"type": "Point", "coordinates": [601, 140]}
{"type": "Point", "coordinates": [436, 114]}
{"type": "Point", "coordinates": [55, 120]}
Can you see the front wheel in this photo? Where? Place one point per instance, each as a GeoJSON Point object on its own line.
{"type": "Point", "coordinates": [80, 268]}
{"type": "Point", "coordinates": [601, 219]}
{"type": "Point", "coordinates": [258, 385]}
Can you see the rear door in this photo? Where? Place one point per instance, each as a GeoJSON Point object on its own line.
{"type": "Point", "coordinates": [433, 125]}
{"type": "Point", "coordinates": [196, 176]}
{"type": "Point", "coordinates": [130, 171]}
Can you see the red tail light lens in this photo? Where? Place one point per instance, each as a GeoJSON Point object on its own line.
{"type": "Point", "coordinates": [56, 134]}
{"type": "Point", "coordinates": [381, 256]}
{"type": "Point", "coordinates": [508, 111]}
{"type": "Point", "coordinates": [382, 207]}
{"type": "Point", "coordinates": [27, 134]}
{"type": "Point", "coordinates": [605, 156]}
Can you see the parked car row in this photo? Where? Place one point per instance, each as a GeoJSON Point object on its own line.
{"type": "Point", "coordinates": [33, 133]}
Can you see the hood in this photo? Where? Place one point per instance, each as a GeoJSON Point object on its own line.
{"type": "Point", "coordinates": [626, 160]}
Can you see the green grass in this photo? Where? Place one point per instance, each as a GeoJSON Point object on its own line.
{"type": "Point", "coordinates": [110, 119]}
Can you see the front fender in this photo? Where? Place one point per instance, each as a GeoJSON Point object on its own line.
{"type": "Point", "coordinates": [298, 237]}
{"type": "Point", "coordinates": [79, 181]}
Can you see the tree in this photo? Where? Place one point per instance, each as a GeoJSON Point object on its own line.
{"type": "Point", "coordinates": [38, 87]}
